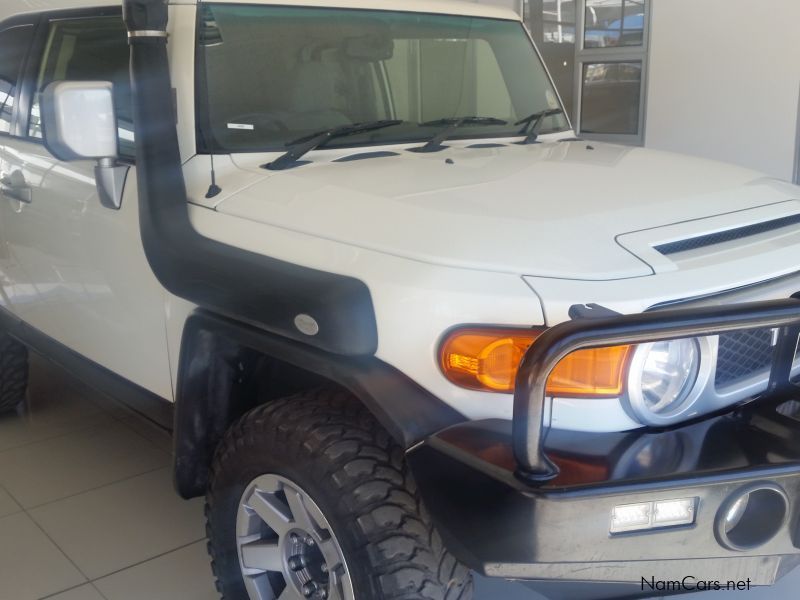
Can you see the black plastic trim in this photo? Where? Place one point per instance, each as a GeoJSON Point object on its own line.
{"type": "Point", "coordinates": [499, 525]}
{"type": "Point", "coordinates": [249, 286]}
{"type": "Point", "coordinates": [366, 155]}
{"type": "Point", "coordinates": [212, 352]}
{"type": "Point", "coordinates": [728, 235]}
{"type": "Point", "coordinates": [140, 400]}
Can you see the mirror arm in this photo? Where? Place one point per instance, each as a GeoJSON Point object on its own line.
{"type": "Point", "coordinates": [110, 179]}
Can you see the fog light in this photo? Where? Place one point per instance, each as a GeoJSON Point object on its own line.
{"type": "Point", "coordinates": [674, 512]}
{"type": "Point", "coordinates": [629, 517]}
{"type": "Point", "coordinates": [752, 516]}
{"type": "Point", "coordinates": [652, 515]}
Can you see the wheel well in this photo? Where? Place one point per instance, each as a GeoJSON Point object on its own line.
{"type": "Point", "coordinates": [256, 378]}
{"type": "Point", "coordinates": [227, 368]}
{"type": "Point", "coordinates": [231, 380]}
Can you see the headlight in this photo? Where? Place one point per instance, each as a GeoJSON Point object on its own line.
{"type": "Point", "coordinates": [488, 359]}
{"type": "Point", "coordinates": [662, 380]}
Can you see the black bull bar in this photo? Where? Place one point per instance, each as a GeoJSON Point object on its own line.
{"type": "Point", "coordinates": [562, 340]}
{"type": "Point", "coordinates": [513, 499]}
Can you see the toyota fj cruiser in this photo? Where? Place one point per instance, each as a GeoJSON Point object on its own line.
{"type": "Point", "coordinates": [410, 325]}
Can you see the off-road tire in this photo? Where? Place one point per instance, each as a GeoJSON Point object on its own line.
{"type": "Point", "coordinates": [13, 373]}
{"type": "Point", "coordinates": [327, 443]}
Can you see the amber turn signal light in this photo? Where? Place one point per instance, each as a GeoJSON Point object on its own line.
{"type": "Point", "coordinates": [488, 359]}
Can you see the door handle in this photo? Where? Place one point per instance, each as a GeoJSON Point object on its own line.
{"type": "Point", "coordinates": [14, 186]}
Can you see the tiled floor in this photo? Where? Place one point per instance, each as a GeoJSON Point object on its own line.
{"type": "Point", "coordinates": [87, 509]}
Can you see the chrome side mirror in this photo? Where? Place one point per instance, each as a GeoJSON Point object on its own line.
{"type": "Point", "coordinates": [79, 123]}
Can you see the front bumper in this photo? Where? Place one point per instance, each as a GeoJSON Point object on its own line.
{"type": "Point", "coordinates": [509, 505]}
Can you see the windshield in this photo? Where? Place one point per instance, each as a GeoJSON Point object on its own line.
{"type": "Point", "coordinates": [268, 75]}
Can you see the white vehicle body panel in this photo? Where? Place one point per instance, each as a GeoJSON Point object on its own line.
{"type": "Point", "coordinates": [76, 270]}
{"type": "Point", "coordinates": [553, 209]}
{"type": "Point", "coordinates": [285, 221]}
{"type": "Point", "coordinates": [87, 283]}
{"type": "Point", "coordinates": [503, 236]}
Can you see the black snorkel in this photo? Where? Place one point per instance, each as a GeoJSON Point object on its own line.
{"type": "Point", "coordinates": [332, 312]}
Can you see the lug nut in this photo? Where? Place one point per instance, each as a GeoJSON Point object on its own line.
{"type": "Point", "coordinates": [296, 562]}
{"type": "Point", "coordinates": [309, 541]}
{"type": "Point", "coordinates": [324, 568]}
{"type": "Point", "coordinates": [323, 593]}
{"type": "Point", "coordinates": [309, 589]}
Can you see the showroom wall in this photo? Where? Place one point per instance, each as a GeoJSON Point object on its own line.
{"type": "Point", "coordinates": [724, 81]}
{"type": "Point", "coordinates": [719, 78]}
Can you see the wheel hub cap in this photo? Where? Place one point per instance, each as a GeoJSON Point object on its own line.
{"type": "Point", "coordinates": [286, 547]}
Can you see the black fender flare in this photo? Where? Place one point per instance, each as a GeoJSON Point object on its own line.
{"type": "Point", "coordinates": [206, 401]}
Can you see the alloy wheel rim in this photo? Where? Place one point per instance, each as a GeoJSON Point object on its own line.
{"type": "Point", "coordinates": [286, 547]}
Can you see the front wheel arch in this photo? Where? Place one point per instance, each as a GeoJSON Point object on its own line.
{"type": "Point", "coordinates": [227, 368]}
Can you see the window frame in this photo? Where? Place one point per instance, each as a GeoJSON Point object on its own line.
{"type": "Point", "coordinates": [618, 54]}
{"type": "Point", "coordinates": [20, 99]}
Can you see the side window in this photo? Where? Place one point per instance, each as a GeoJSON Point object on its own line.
{"type": "Point", "coordinates": [89, 49]}
{"type": "Point", "coordinates": [14, 44]}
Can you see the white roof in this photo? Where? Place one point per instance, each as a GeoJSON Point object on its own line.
{"type": "Point", "coordinates": [471, 8]}
{"type": "Point", "coordinates": [9, 8]}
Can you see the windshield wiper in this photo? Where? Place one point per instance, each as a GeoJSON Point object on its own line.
{"type": "Point", "coordinates": [435, 143]}
{"type": "Point", "coordinates": [299, 147]}
{"type": "Point", "coordinates": [533, 124]}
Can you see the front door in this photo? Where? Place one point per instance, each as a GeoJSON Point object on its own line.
{"type": "Point", "coordinates": [95, 292]}
{"type": "Point", "coordinates": [16, 38]}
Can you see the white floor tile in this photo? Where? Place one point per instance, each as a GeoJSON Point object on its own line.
{"type": "Point", "coordinates": [83, 592]}
{"type": "Point", "coordinates": [7, 504]}
{"type": "Point", "coordinates": [31, 566]}
{"type": "Point", "coordinates": [184, 573]}
{"type": "Point", "coordinates": [122, 524]}
{"type": "Point", "coordinates": [76, 462]}
{"type": "Point", "coordinates": [54, 407]}
{"type": "Point", "coordinates": [158, 436]}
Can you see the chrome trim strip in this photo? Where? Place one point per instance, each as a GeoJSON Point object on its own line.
{"type": "Point", "coordinates": [147, 33]}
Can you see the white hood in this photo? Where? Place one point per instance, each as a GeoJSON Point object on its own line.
{"type": "Point", "coordinates": [555, 209]}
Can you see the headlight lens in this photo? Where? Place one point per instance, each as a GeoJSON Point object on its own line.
{"type": "Point", "coordinates": [662, 378]}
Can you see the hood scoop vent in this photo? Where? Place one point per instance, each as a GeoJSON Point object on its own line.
{"type": "Point", "coordinates": [728, 235]}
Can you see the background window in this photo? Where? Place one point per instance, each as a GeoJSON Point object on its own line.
{"type": "Point", "coordinates": [610, 23]}
{"type": "Point", "coordinates": [596, 51]}
{"type": "Point", "coordinates": [610, 102]}
{"type": "Point", "coordinates": [90, 49]}
{"type": "Point", "coordinates": [14, 44]}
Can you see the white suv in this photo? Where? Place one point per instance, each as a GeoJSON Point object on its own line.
{"type": "Point", "coordinates": [318, 241]}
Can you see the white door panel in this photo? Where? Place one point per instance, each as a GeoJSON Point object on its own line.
{"type": "Point", "coordinates": [96, 293]}
{"type": "Point", "coordinates": [90, 285]}
{"type": "Point", "coordinates": [16, 285]}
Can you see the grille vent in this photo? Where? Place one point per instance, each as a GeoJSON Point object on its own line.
{"type": "Point", "coordinates": [727, 236]}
